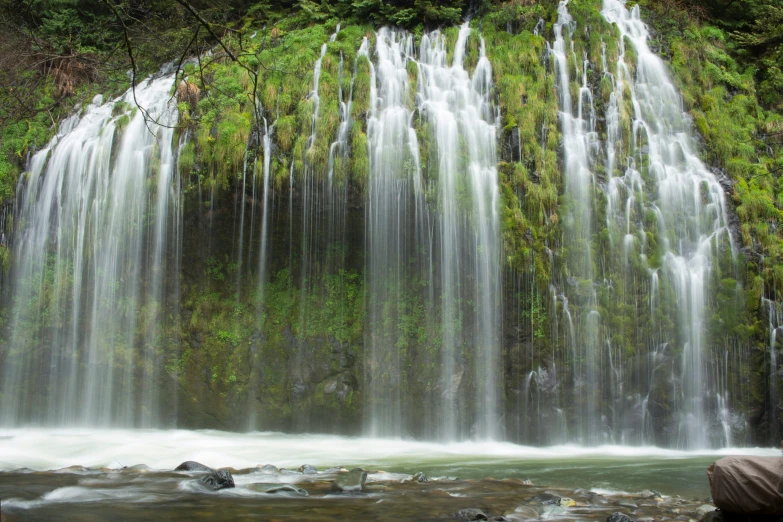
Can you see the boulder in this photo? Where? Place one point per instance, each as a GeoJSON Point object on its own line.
{"type": "Point", "coordinates": [351, 482]}
{"type": "Point", "coordinates": [269, 468]}
{"type": "Point", "coordinates": [747, 485]}
{"type": "Point", "coordinates": [220, 479]}
{"type": "Point", "coordinates": [618, 517]}
{"type": "Point", "coordinates": [190, 465]}
{"type": "Point", "coordinates": [307, 469]}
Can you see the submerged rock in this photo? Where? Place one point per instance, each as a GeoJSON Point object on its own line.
{"type": "Point", "coordinates": [353, 481]}
{"type": "Point", "coordinates": [470, 514]}
{"type": "Point", "coordinates": [307, 469]}
{"type": "Point", "coordinates": [618, 517]}
{"type": "Point", "coordinates": [287, 489]}
{"type": "Point", "coordinates": [220, 479]}
{"type": "Point", "coordinates": [191, 465]}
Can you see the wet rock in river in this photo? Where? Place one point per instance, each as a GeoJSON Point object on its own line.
{"type": "Point", "coordinates": [470, 514]}
{"type": "Point", "coordinates": [287, 489]}
{"type": "Point", "coordinates": [566, 502]}
{"type": "Point", "coordinates": [618, 517]}
{"type": "Point", "coordinates": [307, 469]}
{"type": "Point", "coordinates": [351, 482]}
{"type": "Point", "coordinates": [220, 479]}
{"type": "Point", "coordinates": [546, 499]}
{"type": "Point", "coordinates": [269, 468]}
{"type": "Point", "coordinates": [191, 465]}
{"type": "Point", "coordinates": [650, 493]}
{"type": "Point", "coordinates": [419, 477]}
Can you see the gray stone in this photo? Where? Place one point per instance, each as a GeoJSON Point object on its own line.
{"type": "Point", "coordinates": [618, 517]}
{"type": "Point", "coordinates": [352, 482]}
{"type": "Point", "coordinates": [220, 479]}
{"type": "Point", "coordinates": [190, 465]}
{"type": "Point", "coordinates": [269, 468]}
{"type": "Point", "coordinates": [307, 469]}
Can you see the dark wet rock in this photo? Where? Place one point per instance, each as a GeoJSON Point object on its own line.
{"type": "Point", "coordinates": [470, 514]}
{"type": "Point", "coordinates": [307, 469]}
{"type": "Point", "coordinates": [351, 482]}
{"type": "Point", "coordinates": [191, 465]}
{"type": "Point", "coordinates": [269, 468]}
{"type": "Point", "coordinates": [619, 517]}
{"type": "Point", "coordinates": [419, 477]}
{"type": "Point", "coordinates": [546, 499]}
{"type": "Point", "coordinates": [287, 489]}
{"type": "Point", "coordinates": [220, 479]}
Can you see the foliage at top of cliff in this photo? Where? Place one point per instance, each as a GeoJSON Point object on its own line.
{"type": "Point", "coordinates": [55, 53]}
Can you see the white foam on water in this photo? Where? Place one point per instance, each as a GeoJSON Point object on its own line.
{"type": "Point", "coordinates": [42, 449]}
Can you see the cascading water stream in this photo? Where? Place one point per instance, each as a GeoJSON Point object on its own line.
{"type": "Point", "coordinates": [98, 214]}
{"type": "Point", "coordinates": [461, 231]}
{"type": "Point", "coordinates": [580, 146]}
{"type": "Point", "coordinates": [689, 206]}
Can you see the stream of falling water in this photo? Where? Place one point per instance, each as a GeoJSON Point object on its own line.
{"type": "Point", "coordinates": [453, 241]}
{"type": "Point", "coordinates": [580, 145]}
{"type": "Point", "coordinates": [93, 252]}
{"type": "Point", "coordinates": [690, 217]}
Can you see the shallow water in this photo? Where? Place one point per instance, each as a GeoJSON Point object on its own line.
{"type": "Point", "coordinates": [604, 468]}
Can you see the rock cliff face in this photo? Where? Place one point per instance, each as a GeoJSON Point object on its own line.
{"type": "Point", "coordinates": [535, 231]}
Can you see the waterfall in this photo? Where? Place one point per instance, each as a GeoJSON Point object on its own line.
{"type": "Point", "coordinates": [94, 267]}
{"type": "Point", "coordinates": [690, 223]}
{"type": "Point", "coordinates": [580, 146]}
{"type": "Point", "coordinates": [460, 228]}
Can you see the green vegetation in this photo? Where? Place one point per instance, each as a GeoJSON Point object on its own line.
{"type": "Point", "coordinates": [249, 333]}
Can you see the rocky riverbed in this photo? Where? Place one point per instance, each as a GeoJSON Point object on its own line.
{"type": "Point", "coordinates": [266, 492]}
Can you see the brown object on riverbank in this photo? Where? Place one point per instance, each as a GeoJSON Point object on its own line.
{"type": "Point", "coordinates": [747, 485]}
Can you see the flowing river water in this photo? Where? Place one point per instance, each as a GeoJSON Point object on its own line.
{"type": "Point", "coordinates": [80, 474]}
